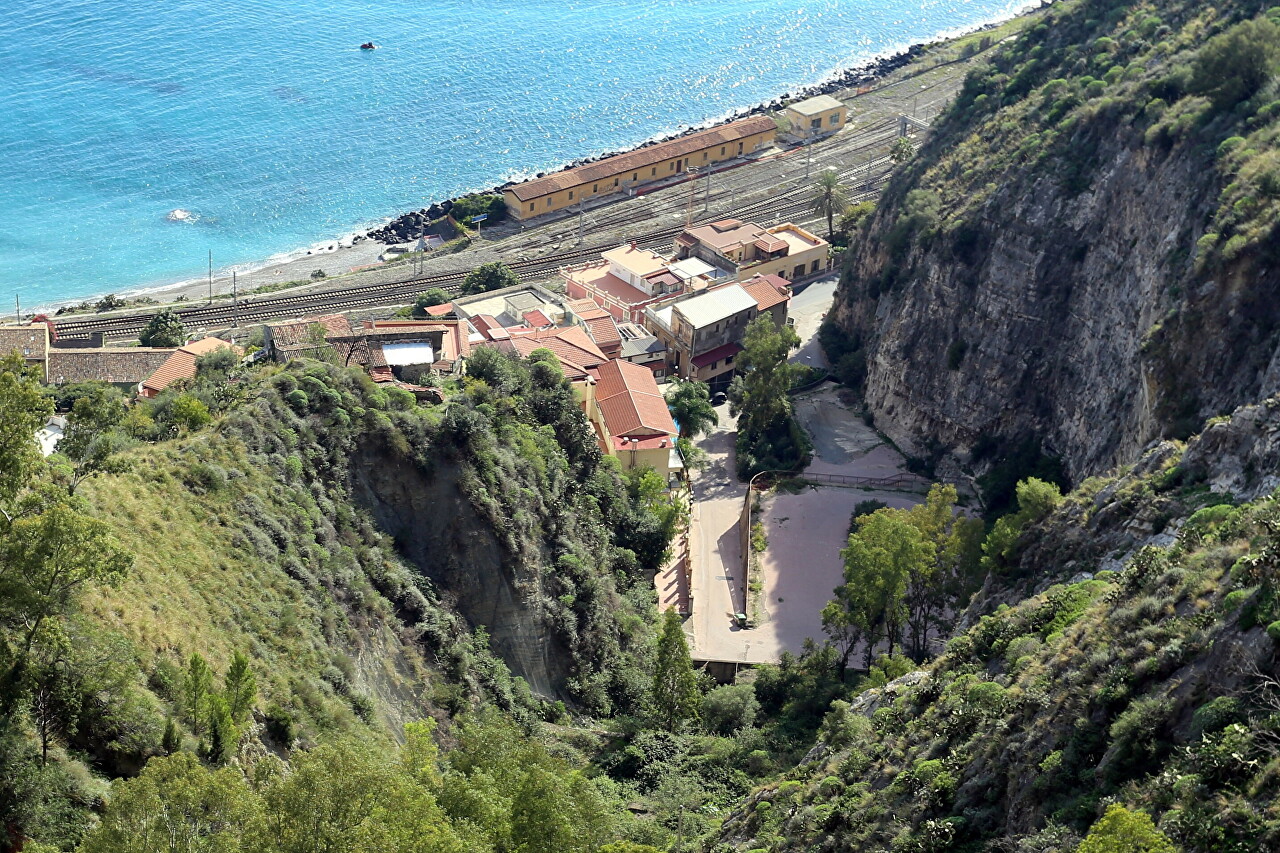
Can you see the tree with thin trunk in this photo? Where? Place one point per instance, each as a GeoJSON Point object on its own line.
{"type": "Point", "coordinates": [240, 688]}
{"type": "Point", "coordinates": [195, 691]}
{"type": "Point", "coordinates": [690, 405]}
{"type": "Point", "coordinates": [830, 197]}
{"type": "Point", "coordinates": [676, 700]}
{"type": "Point", "coordinates": [882, 556]}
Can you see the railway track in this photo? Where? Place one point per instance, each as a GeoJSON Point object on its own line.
{"type": "Point", "coordinates": [789, 204]}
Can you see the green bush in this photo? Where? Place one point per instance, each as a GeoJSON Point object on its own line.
{"type": "Point", "coordinates": [474, 205]}
{"type": "Point", "coordinates": [1236, 64]}
{"type": "Point", "coordinates": [1216, 715]}
{"type": "Point", "coordinates": [729, 708]}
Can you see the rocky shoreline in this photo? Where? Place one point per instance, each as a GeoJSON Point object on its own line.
{"type": "Point", "coordinates": [408, 226]}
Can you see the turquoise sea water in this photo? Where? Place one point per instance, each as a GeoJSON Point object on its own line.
{"type": "Point", "coordinates": [267, 121]}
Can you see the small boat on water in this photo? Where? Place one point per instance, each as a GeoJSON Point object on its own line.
{"type": "Point", "coordinates": [368, 46]}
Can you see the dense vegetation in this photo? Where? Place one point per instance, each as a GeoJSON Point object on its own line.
{"type": "Point", "coordinates": [1151, 688]}
{"type": "Point", "coordinates": [209, 640]}
{"type": "Point", "coordinates": [191, 574]}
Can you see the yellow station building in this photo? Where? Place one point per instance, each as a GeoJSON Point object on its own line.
{"type": "Point", "coordinates": [569, 187]}
{"type": "Point", "coordinates": [816, 117]}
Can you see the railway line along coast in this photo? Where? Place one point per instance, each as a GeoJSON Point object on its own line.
{"type": "Point", "coordinates": [771, 187]}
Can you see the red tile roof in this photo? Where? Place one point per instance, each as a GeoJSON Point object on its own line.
{"type": "Point", "coordinates": [182, 364]}
{"type": "Point", "coordinates": [116, 365]}
{"type": "Point", "coordinates": [712, 356]}
{"type": "Point", "coordinates": [630, 401]}
{"type": "Point", "coordinates": [536, 319]}
{"type": "Point", "coordinates": [643, 157]}
{"type": "Point", "coordinates": [576, 352]}
{"type": "Point", "coordinates": [31, 342]}
{"type": "Point", "coordinates": [767, 290]}
{"type": "Point", "coordinates": [296, 334]}
{"type": "Point", "coordinates": [604, 331]}
{"type": "Point", "coordinates": [485, 323]}
{"type": "Point", "coordinates": [585, 309]}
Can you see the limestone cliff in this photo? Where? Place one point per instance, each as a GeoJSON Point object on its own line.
{"type": "Point", "coordinates": [1040, 269]}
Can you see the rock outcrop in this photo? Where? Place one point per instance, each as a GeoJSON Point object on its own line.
{"type": "Point", "coordinates": [438, 530]}
{"type": "Point", "coordinates": [1062, 298]}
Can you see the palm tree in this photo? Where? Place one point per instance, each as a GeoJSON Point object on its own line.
{"type": "Point", "coordinates": [690, 404]}
{"type": "Point", "coordinates": [829, 198]}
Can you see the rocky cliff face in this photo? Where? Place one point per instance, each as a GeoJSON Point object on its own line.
{"type": "Point", "coordinates": [439, 530]}
{"type": "Point", "coordinates": [1051, 286]}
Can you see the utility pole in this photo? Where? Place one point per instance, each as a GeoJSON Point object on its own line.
{"type": "Point", "coordinates": [688, 218]}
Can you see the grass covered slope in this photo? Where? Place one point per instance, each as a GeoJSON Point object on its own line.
{"type": "Point", "coordinates": [1153, 689]}
{"type": "Point", "coordinates": [239, 596]}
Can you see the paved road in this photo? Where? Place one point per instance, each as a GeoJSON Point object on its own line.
{"type": "Point", "coordinates": [718, 586]}
{"type": "Point", "coordinates": [807, 308]}
{"type": "Point", "coordinates": [801, 565]}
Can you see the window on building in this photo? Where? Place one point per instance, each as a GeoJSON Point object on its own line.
{"type": "Point", "coordinates": [531, 207]}
{"type": "Point", "coordinates": [835, 119]}
{"type": "Point", "coordinates": [548, 202]}
{"type": "Point", "coordinates": [635, 176]}
{"type": "Point", "coordinates": [615, 182]}
{"type": "Point", "coordinates": [740, 147]}
{"type": "Point", "coordinates": [722, 150]}
{"type": "Point", "coordinates": [595, 188]}
{"type": "Point", "coordinates": [814, 268]}
{"type": "Point", "coordinates": [815, 123]}
{"type": "Point", "coordinates": [653, 171]}
{"type": "Point", "coordinates": [704, 156]}
{"type": "Point", "coordinates": [570, 195]}
{"type": "Point", "coordinates": [728, 361]}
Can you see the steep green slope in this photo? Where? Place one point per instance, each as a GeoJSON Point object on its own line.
{"type": "Point", "coordinates": [1097, 206]}
{"type": "Point", "coordinates": [259, 536]}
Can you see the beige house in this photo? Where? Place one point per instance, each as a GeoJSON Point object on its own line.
{"type": "Point", "coordinates": [815, 117]}
{"type": "Point", "coordinates": [624, 282]}
{"type": "Point", "coordinates": [703, 333]}
{"type": "Point", "coordinates": [749, 249]}
{"type": "Point", "coordinates": [631, 418]}
{"type": "Point", "coordinates": [618, 174]}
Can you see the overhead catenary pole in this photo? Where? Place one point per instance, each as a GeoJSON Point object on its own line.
{"type": "Point", "coordinates": [688, 217]}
